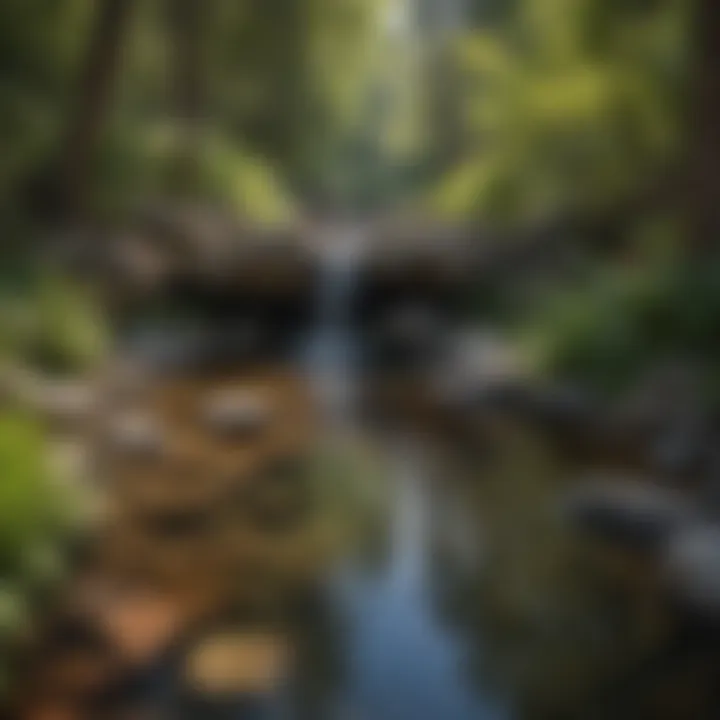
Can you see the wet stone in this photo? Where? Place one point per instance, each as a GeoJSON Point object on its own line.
{"type": "Point", "coordinates": [235, 663]}
{"type": "Point", "coordinates": [237, 413]}
{"type": "Point", "coordinates": [475, 362]}
{"type": "Point", "coordinates": [683, 447]}
{"type": "Point", "coordinates": [692, 563]}
{"type": "Point", "coordinates": [632, 512]}
{"type": "Point", "coordinates": [136, 435]}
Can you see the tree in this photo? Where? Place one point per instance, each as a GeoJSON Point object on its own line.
{"type": "Point", "coordinates": [571, 106]}
{"type": "Point", "coordinates": [90, 114]}
{"type": "Point", "coordinates": [703, 192]}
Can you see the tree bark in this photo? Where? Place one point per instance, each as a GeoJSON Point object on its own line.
{"type": "Point", "coordinates": [703, 201]}
{"type": "Point", "coordinates": [92, 107]}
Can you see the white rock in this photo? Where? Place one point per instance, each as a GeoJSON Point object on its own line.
{"type": "Point", "coordinates": [239, 411]}
{"type": "Point", "coordinates": [692, 564]}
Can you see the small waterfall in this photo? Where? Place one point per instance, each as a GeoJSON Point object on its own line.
{"type": "Point", "coordinates": [401, 660]}
{"type": "Point", "coordinates": [331, 355]}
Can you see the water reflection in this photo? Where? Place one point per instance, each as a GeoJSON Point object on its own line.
{"type": "Point", "coordinates": [485, 604]}
{"type": "Point", "coordinates": [563, 627]}
{"type": "Point", "coordinates": [402, 661]}
{"type": "Point", "coordinates": [448, 588]}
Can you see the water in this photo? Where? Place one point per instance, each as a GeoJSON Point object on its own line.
{"type": "Point", "coordinates": [475, 602]}
{"type": "Point", "coordinates": [404, 662]}
{"type": "Point", "coordinates": [331, 355]}
{"type": "Point", "coordinates": [400, 660]}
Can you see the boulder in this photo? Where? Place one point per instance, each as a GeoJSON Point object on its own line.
{"type": "Point", "coordinates": [683, 446]}
{"type": "Point", "coordinates": [181, 255]}
{"type": "Point", "coordinates": [66, 403]}
{"type": "Point", "coordinates": [409, 334]}
{"type": "Point", "coordinates": [477, 365]}
{"type": "Point", "coordinates": [426, 264]}
{"type": "Point", "coordinates": [234, 672]}
{"type": "Point", "coordinates": [633, 512]}
{"type": "Point", "coordinates": [238, 414]}
{"type": "Point", "coordinates": [566, 416]}
{"type": "Point", "coordinates": [692, 565]}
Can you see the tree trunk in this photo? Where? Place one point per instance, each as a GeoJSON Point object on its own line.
{"type": "Point", "coordinates": [703, 202]}
{"type": "Point", "coordinates": [92, 107]}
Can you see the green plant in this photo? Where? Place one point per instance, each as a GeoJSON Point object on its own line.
{"type": "Point", "coordinates": [623, 320]}
{"type": "Point", "coordinates": [54, 324]}
{"type": "Point", "coordinates": [37, 516]}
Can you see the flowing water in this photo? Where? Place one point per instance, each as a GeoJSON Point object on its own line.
{"type": "Point", "coordinates": [331, 356]}
{"type": "Point", "coordinates": [404, 662]}
{"type": "Point", "coordinates": [466, 599]}
{"type": "Point", "coordinates": [481, 606]}
{"type": "Point", "coordinates": [400, 660]}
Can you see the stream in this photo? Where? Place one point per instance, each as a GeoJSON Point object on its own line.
{"type": "Point", "coordinates": [481, 604]}
{"type": "Point", "coordinates": [404, 662]}
{"type": "Point", "coordinates": [400, 660]}
{"type": "Point", "coordinates": [467, 597]}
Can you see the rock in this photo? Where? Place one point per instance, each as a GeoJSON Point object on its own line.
{"type": "Point", "coordinates": [426, 252]}
{"type": "Point", "coordinates": [632, 512]}
{"type": "Point", "coordinates": [564, 408]}
{"type": "Point", "coordinates": [692, 564]}
{"type": "Point", "coordinates": [66, 403]}
{"type": "Point", "coordinates": [185, 349]}
{"type": "Point", "coordinates": [62, 401]}
{"type": "Point", "coordinates": [190, 255]}
{"type": "Point", "coordinates": [238, 413]}
{"type": "Point", "coordinates": [410, 265]}
{"type": "Point", "coordinates": [476, 365]}
{"type": "Point", "coordinates": [665, 423]}
{"type": "Point", "coordinates": [205, 242]}
{"type": "Point", "coordinates": [238, 340]}
{"type": "Point", "coordinates": [409, 334]}
{"type": "Point", "coordinates": [683, 447]}
{"type": "Point", "coordinates": [191, 233]}
{"type": "Point", "coordinates": [551, 408]}
{"type": "Point", "coordinates": [669, 390]}
{"type": "Point", "coordinates": [233, 662]}
{"type": "Point", "coordinates": [566, 416]}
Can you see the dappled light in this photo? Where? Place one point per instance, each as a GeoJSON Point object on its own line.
{"type": "Point", "coordinates": [359, 360]}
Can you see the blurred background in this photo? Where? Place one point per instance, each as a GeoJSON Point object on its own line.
{"type": "Point", "coordinates": [359, 359]}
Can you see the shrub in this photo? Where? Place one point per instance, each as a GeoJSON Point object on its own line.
{"type": "Point", "coordinates": [36, 520]}
{"type": "Point", "coordinates": [620, 322]}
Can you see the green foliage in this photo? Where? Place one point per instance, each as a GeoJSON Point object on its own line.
{"type": "Point", "coordinates": [570, 107]}
{"type": "Point", "coordinates": [283, 83]}
{"type": "Point", "coordinates": [37, 514]}
{"type": "Point", "coordinates": [29, 508]}
{"type": "Point", "coordinates": [248, 184]}
{"type": "Point", "coordinates": [53, 324]}
{"type": "Point", "coordinates": [40, 44]}
{"type": "Point", "coordinates": [143, 160]}
{"type": "Point", "coordinates": [623, 321]}
{"type": "Point", "coordinates": [289, 80]}
{"type": "Point", "coordinates": [349, 483]}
